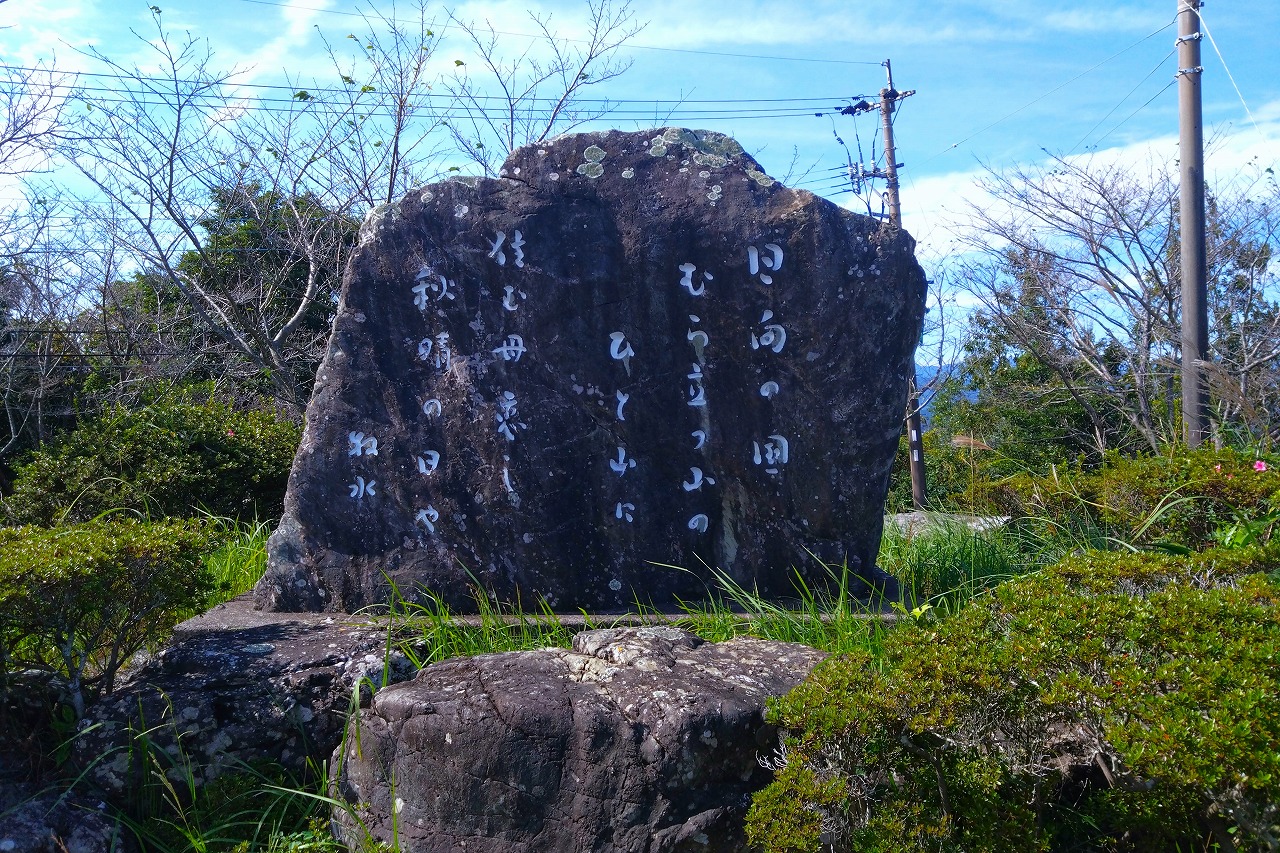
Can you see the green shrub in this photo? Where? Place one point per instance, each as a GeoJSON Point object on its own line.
{"type": "Point", "coordinates": [80, 600]}
{"type": "Point", "coordinates": [173, 457]}
{"type": "Point", "coordinates": [1189, 500]}
{"type": "Point", "coordinates": [1113, 701]}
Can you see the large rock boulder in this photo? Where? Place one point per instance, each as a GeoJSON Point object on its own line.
{"type": "Point", "coordinates": [236, 687]}
{"type": "Point", "coordinates": [631, 352]}
{"type": "Point", "coordinates": [637, 739]}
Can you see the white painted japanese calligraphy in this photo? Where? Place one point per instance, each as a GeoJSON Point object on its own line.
{"type": "Point", "coordinates": [698, 338]}
{"type": "Point", "coordinates": [699, 523]}
{"type": "Point", "coordinates": [774, 336]}
{"type": "Point", "coordinates": [699, 438]}
{"type": "Point", "coordinates": [624, 511]}
{"type": "Point", "coordinates": [769, 389]}
{"type": "Point", "coordinates": [696, 479]}
{"type": "Point", "coordinates": [509, 298]}
{"type": "Point", "coordinates": [622, 464]}
{"type": "Point", "coordinates": [771, 262]}
{"type": "Point", "coordinates": [618, 347]}
{"type": "Point", "coordinates": [775, 452]}
{"type": "Point", "coordinates": [432, 408]}
{"type": "Point", "coordinates": [697, 395]}
{"type": "Point", "coordinates": [512, 348]}
{"type": "Point", "coordinates": [360, 488]}
{"type": "Point", "coordinates": [518, 245]}
{"type": "Point", "coordinates": [428, 462]}
{"type": "Point", "coordinates": [622, 401]}
{"type": "Point", "coordinates": [686, 280]}
{"type": "Point", "coordinates": [428, 518]}
{"type": "Point", "coordinates": [495, 249]}
{"type": "Point", "coordinates": [420, 296]}
{"type": "Point", "coordinates": [425, 285]}
{"type": "Point", "coordinates": [362, 444]}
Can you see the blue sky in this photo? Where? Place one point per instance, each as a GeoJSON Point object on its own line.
{"type": "Point", "coordinates": [997, 82]}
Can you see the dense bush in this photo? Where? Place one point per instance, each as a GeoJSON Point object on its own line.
{"type": "Point", "coordinates": [80, 600]}
{"type": "Point", "coordinates": [1111, 702]}
{"type": "Point", "coordinates": [173, 457]}
{"type": "Point", "coordinates": [1185, 499]}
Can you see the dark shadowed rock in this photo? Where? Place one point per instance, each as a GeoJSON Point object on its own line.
{"type": "Point", "coordinates": [639, 739]}
{"type": "Point", "coordinates": [236, 687]}
{"type": "Point", "coordinates": [632, 349]}
{"type": "Point", "coordinates": [53, 821]}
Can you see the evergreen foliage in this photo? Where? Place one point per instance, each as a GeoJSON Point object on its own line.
{"type": "Point", "coordinates": [1113, 701]}
{"type": "Point", "coordinates": [80, 600]}
{"type": "Point", "coordinates": [175, 457]}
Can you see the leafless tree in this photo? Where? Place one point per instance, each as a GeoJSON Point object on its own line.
{"type": "Point", "coordinates": [31, 101]}
{"type": "Point", "coordinates": [1077, 272]}
{"type": "Point", "coordinates": [1244, 306]}
{"type": "Point", "coordinates": [1077, 266]}
{"type": "Point", "coordinates": [39, 349]}
{"type": "Point", "coordinates": [245, 209]}
{"type": "Point", "coordinates": [941, 340]}
{"type": "Point", "coordinates": [245, 213]}
{"type": "Point", "coordinates": [378, 132]}
{"type": "Point", "coordinates": [538, 93]}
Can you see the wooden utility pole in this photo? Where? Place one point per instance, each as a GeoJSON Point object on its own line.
{"type": "Point", "coordinates": [1195, 314]}
{"type": "Point", "coordinates": [915, 438]}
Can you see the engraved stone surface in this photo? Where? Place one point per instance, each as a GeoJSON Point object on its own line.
{"type": "Point", "coordinates": [631, 352]}
{"type": "Point", "coordinates": [636, 739]}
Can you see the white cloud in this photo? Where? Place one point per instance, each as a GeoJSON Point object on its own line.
{"type": "Point", "coordinates": [291, 50]}
{"type": "Point", "coordinates": [934, 207]}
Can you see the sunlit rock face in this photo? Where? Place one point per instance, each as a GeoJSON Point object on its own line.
{"type": "Point", "coordinates": [636, 740]}
{"type": "Point", "coordinates": [631, 360]}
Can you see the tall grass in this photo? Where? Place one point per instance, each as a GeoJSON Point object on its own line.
{"type": "Point", "coordinates": [242, 559]}
{"type": "Point", "coordinates": [826, 616]}
{"type": "Point", "coordinates": [425, 630]}
{"type": "Point", "coordinates": [945, 562]}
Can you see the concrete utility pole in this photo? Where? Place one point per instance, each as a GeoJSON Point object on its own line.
{"type": "Point", "coordinates": [1195, 312]}
{"type": "Point", "coordinates": [915, 438]}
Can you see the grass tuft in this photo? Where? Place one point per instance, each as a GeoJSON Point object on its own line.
{"type": "Point", "coordinates": [946, 562]}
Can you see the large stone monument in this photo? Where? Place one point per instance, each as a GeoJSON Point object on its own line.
{"type": "Point", "coordinates": [631, 360]}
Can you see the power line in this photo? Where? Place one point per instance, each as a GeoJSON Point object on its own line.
{"type": "Point", "coordinates": [1055, 89]}
{"type": "Point", "coordinates": [1164, 89]}
{"type": "Point", "coordinates": [1204, 26]}
{"type": "Point", "coordinates": [690, 115]}
{"type": "Point", "coordinates": [586, 41]}
{"type": "Point", "coordinates": [293, 90]}
{"type": "Point", "coordinates": [1111, 112]}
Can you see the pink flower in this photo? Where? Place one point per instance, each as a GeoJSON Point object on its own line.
{"type": "Point", "coordinates": [231, 433]}
{"type": "Point", "coordinates": [1217, 467]}
{"type": "Point", "coordinates": [1259, 465]}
